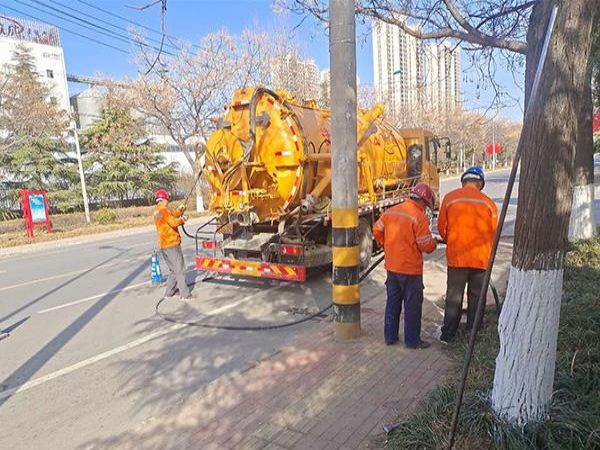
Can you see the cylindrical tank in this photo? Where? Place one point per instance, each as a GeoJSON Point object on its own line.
{"type": "Point", "coordinates": [270, 156]}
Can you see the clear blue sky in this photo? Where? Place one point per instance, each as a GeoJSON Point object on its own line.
{"type": "Point", "coordinates": [192, 19]}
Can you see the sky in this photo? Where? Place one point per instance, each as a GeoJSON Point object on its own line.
{"type": "Point", "coordinates": [192, 19]}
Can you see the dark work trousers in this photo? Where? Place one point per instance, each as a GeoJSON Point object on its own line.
{"type": "Point", "coordinates": [407, 289]}
{"type": "Point", "coordinates": [458, 277]}
{"type": "Point", "coordinates": [176, 280]}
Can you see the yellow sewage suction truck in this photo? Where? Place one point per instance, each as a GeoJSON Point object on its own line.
{"type": "Point", "coordinates": [269, 169]}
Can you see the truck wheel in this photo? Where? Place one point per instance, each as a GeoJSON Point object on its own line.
{"type": "Point", "coordinates": [365, 243]}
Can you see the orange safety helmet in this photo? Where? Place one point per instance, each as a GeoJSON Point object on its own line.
{"type": "Point", "coordinates": [423, 192]}
{"type": "Point", "coordinates": [161, 194]}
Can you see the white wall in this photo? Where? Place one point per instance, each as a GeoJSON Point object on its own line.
{"type": "Point", "coordinates": [47, 58]}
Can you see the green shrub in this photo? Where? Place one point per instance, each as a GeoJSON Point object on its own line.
{"type": "Point", "coordinates": [573, 420]}
{"type": "Point", "coordinates": [106, 216]}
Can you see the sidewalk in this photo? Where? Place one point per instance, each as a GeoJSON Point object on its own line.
{"type": "Point", "coordinates": [319, 393]}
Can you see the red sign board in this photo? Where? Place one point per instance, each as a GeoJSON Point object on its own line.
{"type": "Point", "coordinates": [596, 123]}
{"type": "Point", "coordinates": [490, 151]}
{"type": "Point", "coordinates": [34, 205]}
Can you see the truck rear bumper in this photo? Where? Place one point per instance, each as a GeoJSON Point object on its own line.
{"type": "Point", "coordinates": [251, 268]}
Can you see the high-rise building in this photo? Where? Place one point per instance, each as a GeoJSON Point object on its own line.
{"type": "Point", "coordinates": [398, 64]}
{"type": "Point", "coordinates": [443, 76]}
{"type": "Point", "coordinates": [409, 73]}
{"type": "Point", "coordinates": [300, 77]}
{"type": "Point", "coordinates": [43, 42]}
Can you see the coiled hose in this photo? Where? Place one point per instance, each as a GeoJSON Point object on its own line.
{"type": "Point", "coordinates": [210, 326]}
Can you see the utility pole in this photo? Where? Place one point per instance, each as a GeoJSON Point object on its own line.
{"type": "Point", "coordinates": [86, 205]}
{"type": "Point", "coordinates": [344, 169]}
{"type": "Point", "coordinates": [493, 145]}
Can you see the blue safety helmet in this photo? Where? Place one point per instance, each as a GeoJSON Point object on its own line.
{"type": "Point", "coordinates": [473, 173]}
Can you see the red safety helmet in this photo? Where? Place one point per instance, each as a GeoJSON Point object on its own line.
{"type": "Point", "coordinates": [161, 194]}
{"type": "Point", "coordinates": [423, 192]}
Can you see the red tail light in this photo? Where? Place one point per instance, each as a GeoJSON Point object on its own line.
{"type": "Point", "coordinates": [209, 245]}
{"type": "Point", "coordinates": [290, 250]}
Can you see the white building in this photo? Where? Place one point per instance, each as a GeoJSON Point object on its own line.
{"type": "Point", "coordinates": [409, 73]}
{"type": "Point", "coordinates": [398, 67]}
{"type": "Point", "coordinates": [300, 77]}
{"type": "Point", "coordinates": [43, 42]}
{"type": "Point", "coordinates": [443, 76]}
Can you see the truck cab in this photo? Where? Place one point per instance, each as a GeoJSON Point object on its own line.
{"type": "Point", "coordinates": [422, 148]}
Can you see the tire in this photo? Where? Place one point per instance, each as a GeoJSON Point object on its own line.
{"type": "Point", "coordinates": [365, 243]}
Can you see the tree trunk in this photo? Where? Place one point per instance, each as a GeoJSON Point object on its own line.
{"type": "Point", "coordinates": [528, 324]}
{"type": "Point", "coordinates": [582, 224]}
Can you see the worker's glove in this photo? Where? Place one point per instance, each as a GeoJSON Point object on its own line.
{"type": "Point", "coordinates": [184, 219]}
{"type": "Point", "coordinates": [181, 208]}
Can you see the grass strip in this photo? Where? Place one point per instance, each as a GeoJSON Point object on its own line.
{"type": "Point", "coordinates": [573, 420]}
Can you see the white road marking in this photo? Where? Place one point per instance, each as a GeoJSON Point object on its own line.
{"type": "Point", "coordinates": [107, 354]}
{"type": "Point", "coordinates": [93, 297]}
{"type": "Point", "coordinates": [39, 280]}
{"type": "Point", "coordinates": [2, 271]}
{"type": "Point", "coordinates": [75, 272]}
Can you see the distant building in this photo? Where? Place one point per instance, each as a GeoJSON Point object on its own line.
{"type": "Point", "coordinates": [398, 67]}
{"type": "Point", "coordinates": [300, 77]}
{"type": "Point", "coordinates": [409, 73]}
{"type": "Point", "coordinates": [43, 41]}
{"type": "Point", "coordinates": [325, 89]}
{"type": "Point", "coordinates": [87, 106]}
{"type": "Point", "coordinates": [443, 76]}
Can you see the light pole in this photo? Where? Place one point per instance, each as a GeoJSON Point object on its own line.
{"type": "Point", "coordinates": [86, 206]}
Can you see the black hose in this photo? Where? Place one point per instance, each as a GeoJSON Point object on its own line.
{"type": "Point", "coordinates": [186, 232]}
{"type": "Point", "coordinates": [259, 327]}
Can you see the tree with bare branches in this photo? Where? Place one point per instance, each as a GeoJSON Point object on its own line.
{"type": "Point", "coordinates": [529, 322]}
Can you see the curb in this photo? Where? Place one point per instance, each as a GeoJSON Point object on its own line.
{"type": "Point", "coordinates": [77, 240]}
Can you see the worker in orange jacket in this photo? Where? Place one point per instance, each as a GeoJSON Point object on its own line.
{"type": "Point", "coordinates": [167, 224]}
{"type": "Point", "coordinates": [404, 233]}
{"type": "Point", "coordinates": [467, 222]}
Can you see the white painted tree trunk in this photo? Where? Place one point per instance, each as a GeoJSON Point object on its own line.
{"type": "Point", "coordinates": [199, 203]}
{"type": "Point", "coordinates": [582, 223]}
{"type": "Point", "coordinates": [528, 330]}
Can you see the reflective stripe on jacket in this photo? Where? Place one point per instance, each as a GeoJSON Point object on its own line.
{"type": "Point", "coordinates": [467, 222]}
{"type": "Point", "coordinates": [167, 224]}
{"type": "Point", "coordinates": [405, 235]}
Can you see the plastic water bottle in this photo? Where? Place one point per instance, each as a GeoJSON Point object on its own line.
{"type": "Point", "coordinates": [156, 273]}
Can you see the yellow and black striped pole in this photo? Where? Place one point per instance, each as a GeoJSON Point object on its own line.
{"type": "Point", "coordinates": [344, 169]}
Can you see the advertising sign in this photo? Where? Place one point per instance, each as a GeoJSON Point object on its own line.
{"type": "Point", "coordinates": [35, 210]}
{"type": "Point", "coordinates": [38, 208]}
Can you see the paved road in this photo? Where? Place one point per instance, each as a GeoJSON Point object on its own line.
{"type": "Point", "coordinates": [87, 357]}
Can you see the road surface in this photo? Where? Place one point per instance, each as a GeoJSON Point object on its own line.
{"type": "Point", "coordinates": [88, 358]}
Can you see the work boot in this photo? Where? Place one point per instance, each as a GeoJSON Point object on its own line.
{"type": "Point", "coordinates": [440, 336]}
{"type": "Point", "coordinates": [421, 345]}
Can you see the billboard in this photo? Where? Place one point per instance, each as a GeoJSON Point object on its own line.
{"type": "Point", "coordinates": [29, 31]}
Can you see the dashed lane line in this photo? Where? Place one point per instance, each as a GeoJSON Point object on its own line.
{"type": "Point", "coordinates": [94, 359]}
{"type": "Point", "coordinates": [94, 297]}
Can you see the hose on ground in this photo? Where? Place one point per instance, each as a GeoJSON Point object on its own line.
{"type": "Point", "coordinates": [200, 324]}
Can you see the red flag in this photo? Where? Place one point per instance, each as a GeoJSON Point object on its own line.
{"type": "Point", "coordinates": [490, 151]}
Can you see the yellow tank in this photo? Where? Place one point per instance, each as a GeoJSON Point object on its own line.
{"type": "Point", "coordinates": [270, 156]}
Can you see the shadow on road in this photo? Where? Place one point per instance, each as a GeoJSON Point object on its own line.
{"type": "Point", "coordinates": [27, 370]}
{"type": "Point", "coordinates": [58, 288]}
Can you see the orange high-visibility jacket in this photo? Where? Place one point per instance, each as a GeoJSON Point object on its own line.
{"type": "Point", "coordinates": [166, 225]}
{"type": "Point", "coordinates": [467, 223]}
{"type": "Point", "coordinates": [405, 235]}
